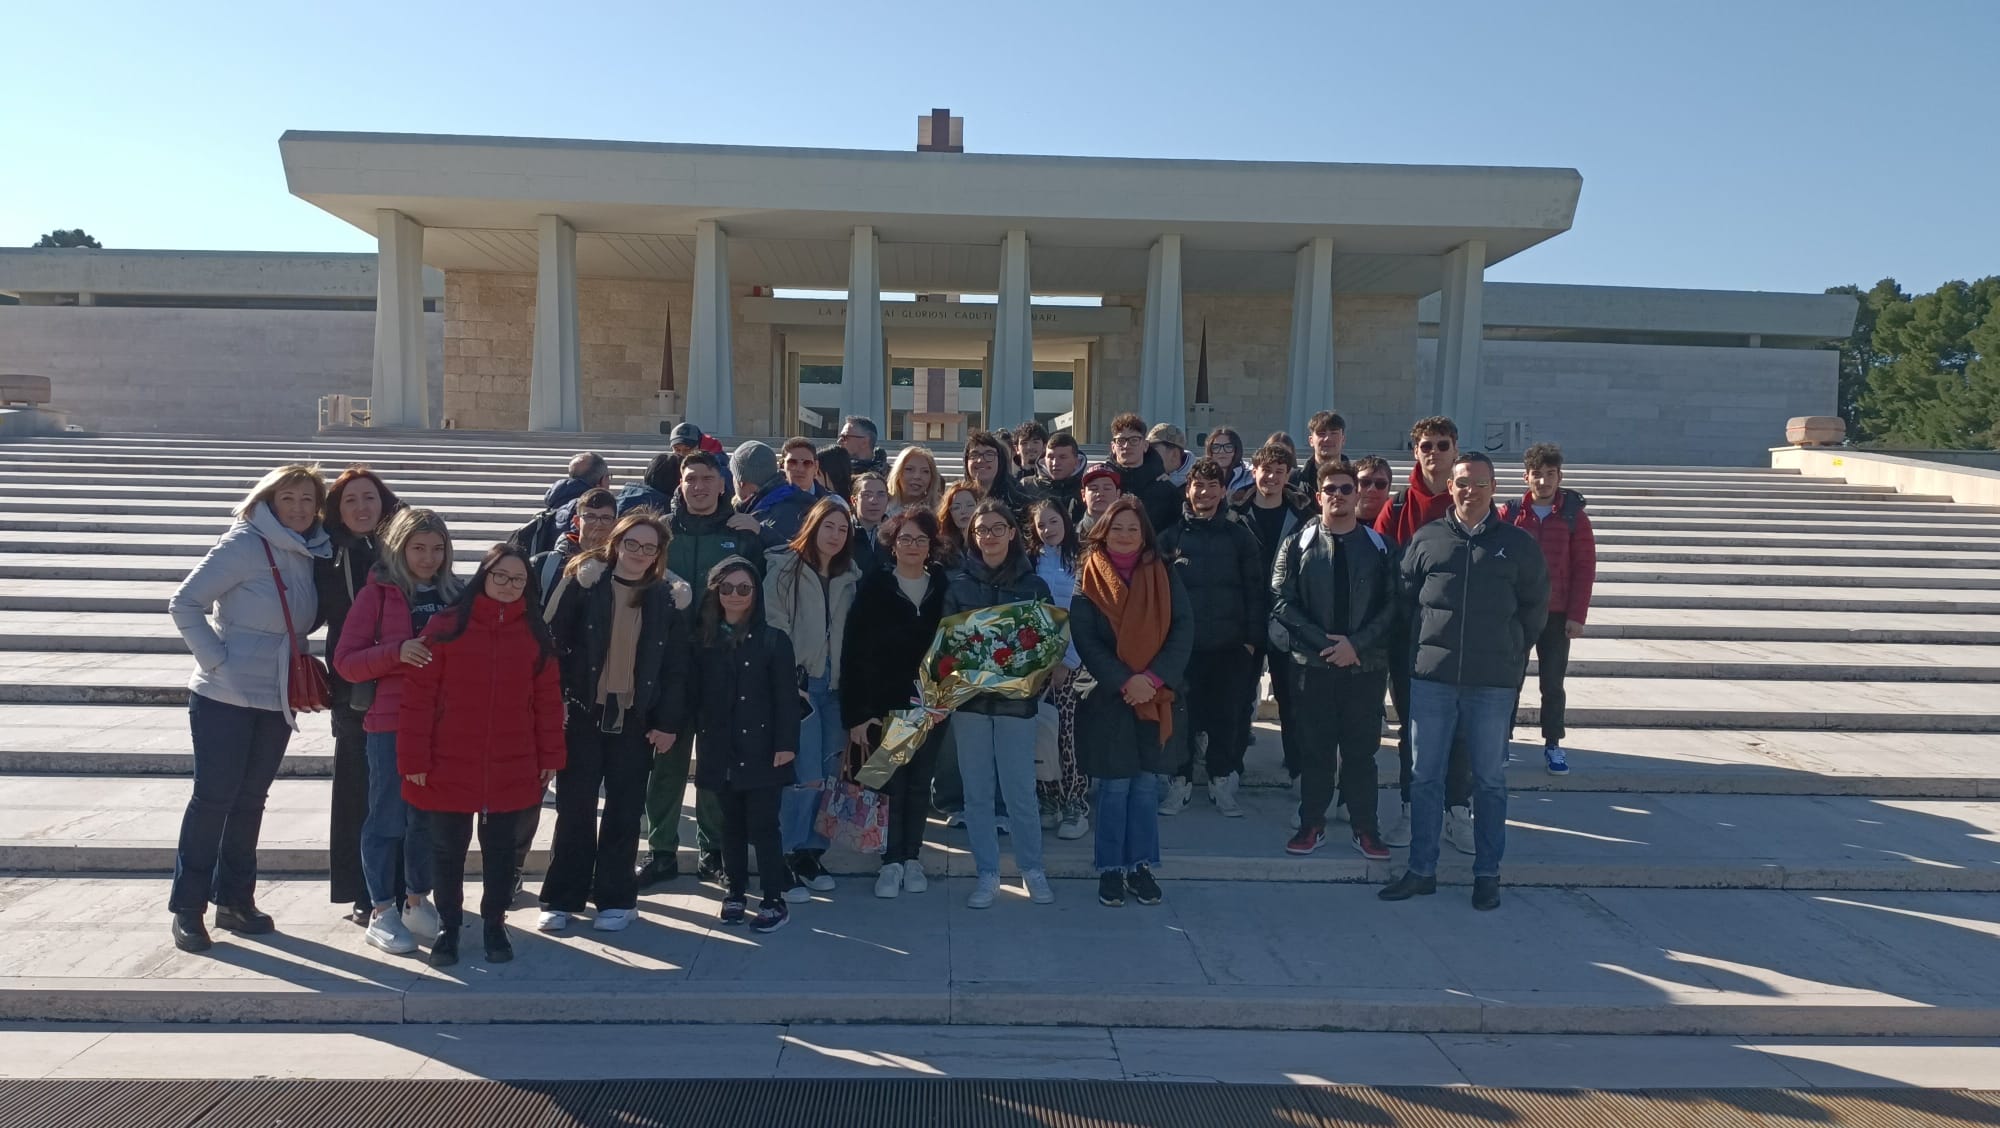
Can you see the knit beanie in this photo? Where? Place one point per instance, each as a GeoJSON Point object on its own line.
{"type": "Point", "coordinates": [754, 462]}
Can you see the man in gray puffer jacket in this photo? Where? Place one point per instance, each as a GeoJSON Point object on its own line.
{"type": "Point", "coordinates": [1480, 590]}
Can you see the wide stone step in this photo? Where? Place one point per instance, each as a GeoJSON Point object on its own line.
{"type": "Point", "coordinates": [1791, 626]}
{"type": "Point", "coordinates": [1682, 553]}
{"type": "Point", "coordinates": [1879, 706]}
{"type": "Point", "coordinates": [107, 525]}
{"type": "Point", "coordinates": [218, 510]}
{"type": "Point", "coordinates": [1779, 661]}
{"type": "Point", "coordinates": [1771, 597]}
{"type": "Point", "coordinates": [1655, 961]}
{"type": "Point", "coordinates": [1901, 525]}
{"type": "Point", "coordinates": [1801, 542]}
{"type": "Point", "coordinates": [187, 546]}
{"type": "Point", "coordinates": [70, 496]}
{"type": "Point", "coordinates": [71, 824]}
{"type": "Point", "coordinates": [1784, 575]}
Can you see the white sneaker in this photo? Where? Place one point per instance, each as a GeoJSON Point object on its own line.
{"type": "Point", "coordinates": [914, 880]}
{"type": "Point", "coordinates": [1396, 831]}
{"type": "Point", "coordinates": [422, 919]}
{"type": "Point", "coordinates": [1458, 830]}
{"type": "Point", "coordinates": [388, 933]}
{"type": "Point", "coordinates": [1179, 792]}
{"type": "Point", "coordinates": [552, 920]}
{"type": "Point", "coordinates": [1075, 824]}
{"type": "Point", "coordinates": [983, 893]}
{"type": "Point", "coordinates": [798, 894]}
{"type": "Point", "coordinates": [1037, 884]}
{"type": "Point", "coordinates": [613, 920]}
{"type": "Point", "coordinates": [889, 882]}
{"type": "Point", "coordinates": [822, 882]}
{"type": "Point", "coordinates": [1223, 792]}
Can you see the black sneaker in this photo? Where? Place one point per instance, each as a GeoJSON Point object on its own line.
{"type": "Point", "coordinates": [771, 916]}
{"type": "Point", "coordinates": [733, 912]}
{"type": "Point", "coordinates": [499, 949]}
{"type": "Point", "coordinates": [244, 920]}
{"type": "Point", "coordinates": [1407, 886]}
{"type": "Point", "coordinates": [1111, 889]}
{"type": "Point", "coordinates": [444, 953]}
{"type": "Point", "coordinates": [1485, 893]}
{"type": "Point", "coordinates": [1144, 889]}
{"type": "Point", "coordinates": [660, 867]}
{"type": "Point", "coordinates": [710, 867]}
{"type": "Point", "coordinates": [191, 933]}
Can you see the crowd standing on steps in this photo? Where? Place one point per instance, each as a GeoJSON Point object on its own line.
{"type": "Point", "coordinates": [754, 622]}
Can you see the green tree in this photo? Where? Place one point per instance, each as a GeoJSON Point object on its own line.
{"type": "Point", "coordinates": [1857, 354]}
{"type": "Point", "coordinates": [77, 237]}
{"type": "Point", "coordinates": [1933, 372]}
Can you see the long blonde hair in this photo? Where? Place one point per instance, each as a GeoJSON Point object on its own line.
{"type": "Point", "coordinates": [897, 497]}
{"type": "Point", "coordinates": [406, 524]}
{"type": "Point", "coordinates": [267, 487]}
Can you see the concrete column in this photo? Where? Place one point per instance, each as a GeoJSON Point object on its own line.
{"type": "Point", "coordinates": [555, 382]}
{"type": "Point", "coordinates": [1461, 328]}
{"type": "Point", "coordinates": [1162, 359]}
{"type": "Point", "coordinates": [399, 396]}
{"type": "Point", "coordinates": [711, 397]}
{"type": "Point", "coordinates": [863, 387]}
{"type": "Point", "coordinates": [1080, 398]}
{"type": "Point", "coordinates": [1010, 392]}
{"type": "Point", "coordinates": [1310, 386]}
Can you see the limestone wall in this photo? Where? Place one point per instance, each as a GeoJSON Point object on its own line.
{"type": "Point", "coordinates": [239, 371]}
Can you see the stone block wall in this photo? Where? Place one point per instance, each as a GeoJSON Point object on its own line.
{"type": "Point", "coordinates": [1376, 382]}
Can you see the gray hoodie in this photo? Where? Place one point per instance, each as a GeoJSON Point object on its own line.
{"type": "Point", "coordinates": [227, 611]}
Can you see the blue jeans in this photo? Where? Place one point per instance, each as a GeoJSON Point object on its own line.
{"type": "Point", "coordinates": [1128, 823]}
{"type": "Point", "coordinates": [236, 755]}
{"type": "Point", "coordinates": [822, 742]}
{"type": "Point", "coordinates": [999, 750]}
{"type": "Point", "coordinates": [390, 827]}
{"type": "Point", "coordinates": [1485, 716]}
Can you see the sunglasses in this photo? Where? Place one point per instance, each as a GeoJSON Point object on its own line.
{"type": "Point", "coordinates": [1374, 483]}
{"type": "Point", "coordinates": [1429, 447]}
{"type": "Point", "coordinates": [1337, 491]}
{"type": "Point", "coordinates": [736, 589]}
{"type": "Point", "coordinates": [801, 461]}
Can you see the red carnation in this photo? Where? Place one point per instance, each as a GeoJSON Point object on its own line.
{"type": "Point", "coordinates": [946, 665]}
{"type": "Point", "coordinates": [1003, 655]}
{"type": "Point", "coordinates": [1030, 638]}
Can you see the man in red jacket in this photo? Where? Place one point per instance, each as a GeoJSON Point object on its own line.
{"type": "Point", "coordinates": [1433, 449]}
{"type": "Point", "coordinates": [1556, 517]}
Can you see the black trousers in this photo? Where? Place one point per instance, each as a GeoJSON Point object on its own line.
{"type": "Point", "coordinates": [1342, 713]}
{"type": "Point", "coordinates": [750, 818]}
{"type": "Point", "coordinates": [1552, 664]}
{"type": "Point", "coordinates": [451, 835]}
{"type": "Point", "coordinates": [349, 809]}
{"type": "Point", "coordinates": [909, 795]}
{"type": "Point", "coordinates": [1458, 773]}
{"type": "Point", "coordinates": [1219, 682]}
{"type": "Point", "coordinates": [593, 860]}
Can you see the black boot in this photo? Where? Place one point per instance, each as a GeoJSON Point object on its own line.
{"type": "Point", "coordinates": [191, 933]}
{"type": "Point", "coordinates": [244, 920]}
{"type": "Point", "coordinates": [1407, 886]}
{"type": "Point", "coordinates": [662, 866]}
{"type": "Point", "coordinates": [499, 949]}
{"type": "Point", "coordinates": [1485, 893]}
{"type": "Point", "coordinates": [444, 953]}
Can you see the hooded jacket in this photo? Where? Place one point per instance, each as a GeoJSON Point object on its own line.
{"type": "Point", "coordinates": [702, 542]}
{"type": "Point", "coordinates": [227, 612]}
{"type": "Point", "coordinates": [1411, 510]}
{"type": "Point", "coordinates": [780, 507]}
{"type": "Point", "coordinates": [1568, 546]}
{"type": "Point", "coordinates": [973, 585]}
{"type": "Point", "coordinates": [1479, 599]}
{"type": "Point", "coordinates": [566, 491]}
{"type": "Point", "coordinates": [741, 705]}
{"type": "Point", "coordinates": [811, 613]}
{"type": "Point", "coordinates": [1148, 482]}
{"type": "Point", "coordinates": [1068, 492]}
{"type": "Point", "coordinates": [374, 651]}
{"type": "Point", "coordinates": [887, 637]}
{"type": "Point", "coordinates": [484, 719]}
{"type": "Point", "coordinates": [1221, 565]}
{"type": "Point", "coordinates": [581, 626]}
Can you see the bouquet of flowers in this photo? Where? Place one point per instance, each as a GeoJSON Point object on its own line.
{"type": "Point", "coordinates": [1009, 650]}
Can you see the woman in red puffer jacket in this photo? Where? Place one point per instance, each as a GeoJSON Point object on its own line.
{"type": "Point", "coordinates": [480, 732]}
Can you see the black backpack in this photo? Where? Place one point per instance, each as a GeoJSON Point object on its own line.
{"type": "Point", "coordinates": [538, 535]}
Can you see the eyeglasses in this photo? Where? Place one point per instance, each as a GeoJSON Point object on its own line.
{"type": "Point", "coordinates": [1374, 483]}
{"type": "Point", "coordinates": [981, 456]}
{"type": "Point", "coordinates": [1230, 447]}
{"type": "Point", "coordinates": [1127, 440]}
{"type": "Point", "coordinates": [1472, 483]}
{"type": "Point", "coordinates": [911, 540]}
{"type": "Point", "coordinates": [1337, 491]}
{"type": "Point", "coordinates": [727, 588]}
{"type": "Point", "coordinates": [639, 548]}
{"type": "Point", "coordinates": [989, 532]}
{"type": "Point", "coordinates": [603, 519]}
{"type": "Point", "coordinates": [1429, 447]}
{"type": "Point", "coordinates": [507, 579]}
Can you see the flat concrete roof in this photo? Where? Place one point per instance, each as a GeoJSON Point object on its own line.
{"type": "Point", "coordinates": [941, 215]}
{"type": "Point", "coordinates": [1528, 305]}
{"type": "Point", "coordinates": [204, 274]}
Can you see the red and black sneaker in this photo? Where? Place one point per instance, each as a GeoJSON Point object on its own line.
{"type": "Point", "coordinates": [1370, 846]}
{"type": "Point", "coordinates": [1307, 840]}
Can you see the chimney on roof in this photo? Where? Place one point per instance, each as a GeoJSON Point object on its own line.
{"type": "Point", "coordinates": [939, 132]}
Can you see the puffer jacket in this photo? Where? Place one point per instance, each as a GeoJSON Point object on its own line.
{"type": "Point", "coordinates": [813, 615]}
{"type": "Point", "coordinates": [581, 626]}
{"type": "Point", "coordinates": [700, 543]}
{"type": "Point", "coordinates": [887, 637]}
{"type": "Point", "coordinates": [742, 708]}
{"type": "Point", "coordinates": [1568, 545]}
{"type": "Point", "coordinates": [1111, 741]}
{"type": "Point", "coordinates": [1220, 563]}
{"type": "Point", "coordinates": [1066, 491]}
{"type": "Point", "coordinates": [228, 614]}
{"type": "Point", "coordinates": [484, 719]}
{"type": "Point", "coordinates": [338, 581]}
{"type": "Point", "coordinates": [375, 652]}
{"type": "Point", "coordinates": [973, 586]}
{"type": "Point", "coordinates": [1303, 595]}
{"type": "Point", "coordinates": [1148, 482]}
{"type": "Point", "coordinates": [780, 508]}
{"type": "Point", "coordinates": [1479, 601]}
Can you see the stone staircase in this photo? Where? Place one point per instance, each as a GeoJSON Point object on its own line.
{"type": "Point", "coordinates": [1781, 816]}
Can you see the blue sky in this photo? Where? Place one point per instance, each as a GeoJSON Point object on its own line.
{"type": "Point", "coordinates": [1738, 144]}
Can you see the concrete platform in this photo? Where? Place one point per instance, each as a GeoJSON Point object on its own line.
{"type": "Point", "coordinates": [1550, 961]}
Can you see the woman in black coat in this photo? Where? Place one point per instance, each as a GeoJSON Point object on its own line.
{"type": "Point", "coordinates": [895, 617]}
{"type": "Point", "coordinates": [740, 700]}
{"type": "Point", "coordinates": [358, 507]}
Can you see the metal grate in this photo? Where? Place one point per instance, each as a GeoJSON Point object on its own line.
{"type": "Point", "coordinates": [950, 1103]}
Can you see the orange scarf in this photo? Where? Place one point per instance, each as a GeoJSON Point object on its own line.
{"type": "Point", "coordinates": [1140, 615]}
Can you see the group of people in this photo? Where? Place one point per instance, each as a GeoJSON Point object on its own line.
{"type": "Point", "coordinates": [753, 622]}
